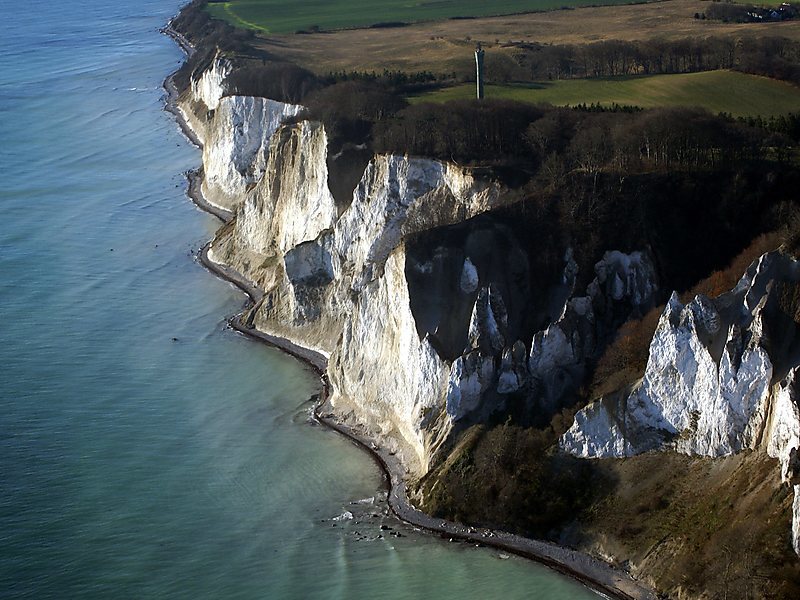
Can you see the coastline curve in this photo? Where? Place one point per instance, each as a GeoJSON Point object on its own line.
{"type": "Point", "coordinates": [595, 573]}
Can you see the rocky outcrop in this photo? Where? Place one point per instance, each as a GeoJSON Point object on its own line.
{"type": "Point", "coordinates": [708, 379]}
{"type": "Point", "coordinates": [720, 379]}
{"type": "Point", "coordinates": [336, 282]}
{"type": "Point", "coordinates": [783, 442]}
{"type": "Point", "coordinates": [291, 204]}
{"type": "Point", "coordinates": [235, 132]}
{"type": "Point", "coordinates": [624, 284]}
{"type": "Point", "coordinates": [208, 86]}
{"type": "Point", "coordinates": [335, 277]}
{"type": "Point", "coordinates": [236, 146]}
{"type": "Point", "coordinates": [408, 364]}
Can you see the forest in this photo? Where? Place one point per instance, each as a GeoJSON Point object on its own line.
{"type": "Point", "coordinates": [771, 56]}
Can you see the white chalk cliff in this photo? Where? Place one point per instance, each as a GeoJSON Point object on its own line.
{"type": "Point", "coordinates": [337, 282]}
{"type": "Point", "coordinates": [720, 379]}
{"type": "Point", "coordinates": [337, 277]}
{"type": "Point", "coordinates": [235, 132]}
{"type": "Point", "coordinates": [209, 86]}
{"type": "Point", "coordinates": [236, 147]}
{"type": "Point", "coordinates": [334, 273]}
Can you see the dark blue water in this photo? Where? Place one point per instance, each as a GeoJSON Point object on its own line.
{"type": "Point", "coordinates": [145, 450]}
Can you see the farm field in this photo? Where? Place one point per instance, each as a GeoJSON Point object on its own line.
{"type": "Point", "coordinates": [717, 91]}
{"type": "Point", "coordinates": [280, 16]}
{"type": "Point", "coordinates": [446, 46]}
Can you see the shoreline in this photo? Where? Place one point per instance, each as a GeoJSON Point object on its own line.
{"type": "Point", "coordinates": [594, 573]}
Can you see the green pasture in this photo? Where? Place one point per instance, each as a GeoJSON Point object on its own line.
{"type": "Point", "coordinates": [718, 91]}
{"type": "Point", "coordinates": [288, 16]}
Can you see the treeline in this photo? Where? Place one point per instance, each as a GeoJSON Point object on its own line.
{"type": "Point", "coordinates": [400, 81]}
{"type": "Point", "coordinates": [730, 12]}
{"type": "Point", "coordinates": [350, 110]}
{"type": "Point", "coordinates": [463, 131]}
{"type": "Point", "coordinates": [285, 82]}
{"type": "Point", "coordinates": [776, 57]}
{"type": "Point", "coordinates": [788, 125]}
{"type": "Point", "coordinates": [560, 140]}
{"type": "Point", "coordinates": [289, 83]}
{"type": "Point", "coordinates": [542, 141]}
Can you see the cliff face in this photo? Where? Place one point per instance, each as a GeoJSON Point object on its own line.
{"type": "Point", "coordinates": [720, 380]}
{"type": "Point", "coordinates": [334, 276]}
{"type": "Point", "coordinates": [235, 132]}
{"type": "Point", "coordinates": [437, 311]}
{"type": "Point", "coordinates": [208, 86]}
{"type": "Point", "coordinates": [398, 279]}
{"type": "Point", "coordinates": [235, 148]}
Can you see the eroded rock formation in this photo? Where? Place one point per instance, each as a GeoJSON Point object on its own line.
{"type": "Point", "coordinates": [720, 379]}
{"type": "Point", "coordinates": [399, 280]}
{"type": "Point", "coordinates": [436, 313]}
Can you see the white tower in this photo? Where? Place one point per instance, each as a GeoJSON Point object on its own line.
{"type": "Point", "coordinates": [479, 70]}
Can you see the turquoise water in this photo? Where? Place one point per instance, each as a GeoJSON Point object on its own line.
{"type": "Point", "coordinates": [146, 451]}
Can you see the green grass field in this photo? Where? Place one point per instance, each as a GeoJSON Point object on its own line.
{"type": "Point", "coordinates": [288, 16]}
{"type": "Point", "coordinates": [718, 91]}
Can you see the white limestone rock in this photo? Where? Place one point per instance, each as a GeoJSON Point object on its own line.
{"type": "Point", "coordinates": [706, 388]}
{"type": "Point", "coordinates": [393, 380]}
{"type": "Point", "coordinates": [597, 431]}
{"type": "Point", "coordinates": [209, 87]}
{"type": "Point", "coordinates": [469, 277]}
{"type": "Point", "coordinates": [373, 224]}
{"type": "Point", "coordinates": [236, 146]}
{"type": "Point", "coordinates": [488, 322]}
{"type": "Point", "coordinates": [624, 276]}
{"type": "Point", "coordinates": [471, 375]}
{"type": "Point", "coordinates": [291, 203]}
{"type": "Point", "coordinates": [513, 369]}
{"type": "Point", "coordinates": [704, 392]}
{"type": "Point", "coordinates": [784, 426]}
{"type": "Point", "coordinates": [562, 344]}
{"type": "Point", "coordinates": [381, 369]}
{"type": "Point", "coordinates": [399, 195]}
{"type": "Point", "coordinates": [558, 353]}
{"type": "Point", "coordinates": [309, 263]}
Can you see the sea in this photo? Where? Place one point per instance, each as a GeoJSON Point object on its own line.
{"type": "Point", "coordinates": [146, 450]}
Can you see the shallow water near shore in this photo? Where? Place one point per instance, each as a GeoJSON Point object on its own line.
{"type": "Point", "coordinates": [146, 450]}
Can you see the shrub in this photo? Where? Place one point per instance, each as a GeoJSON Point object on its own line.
{"type": "Point", "coordinates": [508, 476]}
